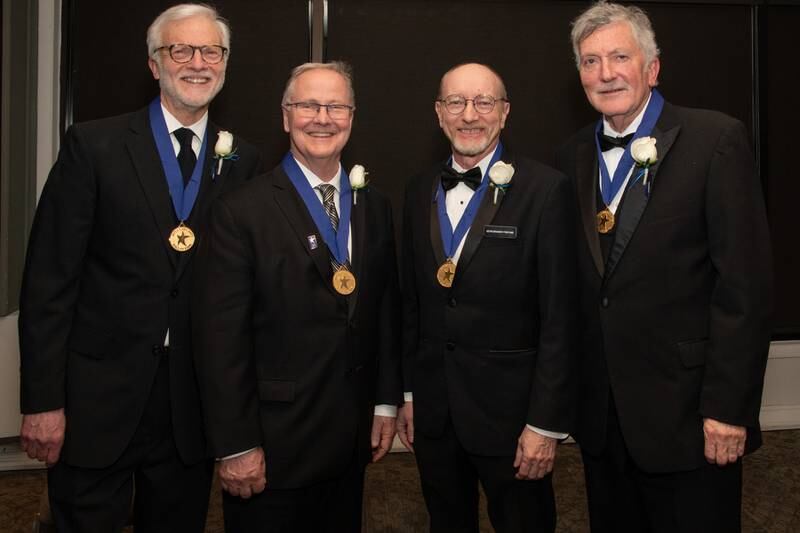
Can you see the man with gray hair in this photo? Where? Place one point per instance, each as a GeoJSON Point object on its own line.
{"type": "Point", "coordinates": [674, 259]}
{"type": "Point", "coordinates": [296, 325]}
{"type": "Point", "coordinates": [109, 393]}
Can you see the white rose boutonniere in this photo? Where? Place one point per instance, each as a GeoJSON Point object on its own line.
{"type": "Point", "coordinates": [224, 150]}
{"type": "Point", "coordinates": [643, 151]}
{"type": "Point", "coordinates": [500, 177]}
{"type": "Point", "coordinates": [358, 180]}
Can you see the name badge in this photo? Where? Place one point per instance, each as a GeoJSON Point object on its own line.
{"type": "Point", "coordinates": [500, 232]}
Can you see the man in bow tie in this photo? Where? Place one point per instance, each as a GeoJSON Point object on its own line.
{"type": "Point", "coordinates": [297, 326]}
{"type": "Point", "coordinates": [674, 260]}
{"type": "Point", "coordinates": [488, 287]}
{"type": "Point", "coordinates": [108, 380]}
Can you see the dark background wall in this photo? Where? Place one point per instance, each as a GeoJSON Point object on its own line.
{"type": "Point", "coordinates": [729, 56]}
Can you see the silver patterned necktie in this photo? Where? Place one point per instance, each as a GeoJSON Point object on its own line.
{"type": "Point", "coordinates": [330, 208]}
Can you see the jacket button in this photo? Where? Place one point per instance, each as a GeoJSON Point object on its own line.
{"type": "Point", "coordinates": [451, 302]}
{"type": "Point", "coordinates": [604, 303]}
{"type": "Point", "coordinates": [157, 349]}
{"type": "Point", "coordinates": [450, 345]}
{"type": "Point", "coordinates": [174, 293]}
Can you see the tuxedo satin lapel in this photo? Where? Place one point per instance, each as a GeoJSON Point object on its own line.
{"type": "Point", "coordinates": [359, 230]}
{"type": "Point", "coordinates": [436, 231]}
{"type": "Point", "coordinates": [291, 205]}
{"type": "Point", "coordinates": [586, 172]}
{"type": "Point", "coordinates": [484, 216]}
{"type": "Point", "coordinates": [636, 199]}
{"type": "Point", "coordinates": [664, 141]}
{"type": "Point", "coordinates": [144, 155]}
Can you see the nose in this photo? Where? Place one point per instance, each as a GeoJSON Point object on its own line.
{"type": "Point", "coordinates": [197, 61]}
{"type": "Point", "coordinates": [469, 114]}
{"type": "Point", "coordinates": [606, 70]}
{"type": "Point", "coordinates": [322, 116]}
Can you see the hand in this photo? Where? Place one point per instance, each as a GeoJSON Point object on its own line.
{"type": "Point", "coordinates": [383, 430]}
{"type": "Point", "coordinates": [42, 435]}
{"type": "Point", "coordinates": [405, 425]}
{"type": "Point", "coordinates": [535, 455]}
{"type": "Point", "coordinates": [244, 475]}
{"type": "Point", "coordinates": [724, 442]}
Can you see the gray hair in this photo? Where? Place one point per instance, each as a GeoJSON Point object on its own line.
{"type": "Point", "coordinates": [180, 12]}
{"type": "Point", "coordinates": [503, 93]}
{"type": "Point", "coordinates": [340, 67]}
{"type": "Point", "coordinates": [604, 13]}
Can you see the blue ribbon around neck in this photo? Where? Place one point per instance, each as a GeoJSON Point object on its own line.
{"type": "Point", "coordinates": [451, 239]}
{"type": "Point", "coordinates": [336, 241]}
{"type": "Point", "coordinates": [183, 198]}
{"type": "Point", "coordinates": [609, 188]}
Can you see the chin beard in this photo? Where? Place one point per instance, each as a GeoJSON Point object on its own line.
{"type": "Point", "coordinates": [470, 150]}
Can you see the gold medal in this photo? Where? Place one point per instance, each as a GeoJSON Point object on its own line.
{"type": "Point", "coordinates": [344, 282]}
{"type": "Point", "coordinates": [181, 238]}
{"type": "Point", "coordinates": [605, 221]}
{"type": "Point", "coordinates": [446, 273]}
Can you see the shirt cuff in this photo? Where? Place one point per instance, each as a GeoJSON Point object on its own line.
{"type": "Point", "coordinates": [386, 410]}
{"type": "Point", "coordinates": [552, 434]}
{"type": "Point", "coordinates": [408, 396]}
{"type": "Point", "coordinates": [234, 455]}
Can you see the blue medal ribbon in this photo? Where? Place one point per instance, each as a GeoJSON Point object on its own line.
{"type": "Point", "coordinates": [336, 241]}
{"type": "Point", "coordinates": [183, 198]}
{"type": "Point", "coordinates": [609, 188]}
{"type": "Point", "coordinates": [451, 239]}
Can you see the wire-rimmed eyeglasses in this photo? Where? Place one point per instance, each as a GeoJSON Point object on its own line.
{"type": "Point", "coordinates": [455, 104]}
{"type": "Point", "coordinates": [183, 53]}
{"type": "Point", "coordinates": [310, 109]}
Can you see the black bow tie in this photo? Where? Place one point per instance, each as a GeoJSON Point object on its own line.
{"type": "Point", "coordinates": [607, 142]}
{"type": "Point", "coordinates": [451, 177]}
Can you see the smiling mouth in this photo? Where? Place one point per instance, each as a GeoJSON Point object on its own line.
{"type": "Point", "coordinates": [470, 131]}
{"type": "Point", "coordinates": [195, 80]}
{"type": "Point", "coordinates": [616, 90]}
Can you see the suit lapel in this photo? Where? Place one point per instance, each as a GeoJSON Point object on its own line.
{"type": "Point", "coordinates": [435, 227]}
{"type": "Point", "coordinates": [586, 170]}
{"type": "Point", "coordinates": [358, 229]}
{"type": "Point", "coordinates": [291, 205]}
{"type": "Point", "coordinates": [144, 155]}
{"type": "Point", "coordinates": [636, 199]}
{"type": "Point", "coordinates": [486, 212]}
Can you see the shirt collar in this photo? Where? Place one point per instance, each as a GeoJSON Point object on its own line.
{"type": "Point", "coordinates": [483, 164]}
{"type": "Point", "coordinates": [632, 127]}
{"type": "Point", "coordinates": [198, 128]}
{"type": "Point", "coordinates": [315, 180]}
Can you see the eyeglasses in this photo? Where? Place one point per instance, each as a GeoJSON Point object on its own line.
{"type": "Point", "coordinates": [183, 53]}
{"type": "Point", "coordinates": [310, 109]}
{"type": "Point", "coordinates": [483, 103]}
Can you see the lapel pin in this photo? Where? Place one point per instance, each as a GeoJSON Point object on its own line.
{"type": "Point", "coordinates": [312, 242]}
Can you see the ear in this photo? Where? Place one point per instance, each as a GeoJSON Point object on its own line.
{"type": "Point", "coordinates": [652, 72]}
{"type": "Point", "coordinates": [153, 67]}
{"type": "Point", "coordinates": [506, 109]}
{"type": "Point", "coordinates": [285, 119]}
{"type": "Point", "coordinates": [439, 108]}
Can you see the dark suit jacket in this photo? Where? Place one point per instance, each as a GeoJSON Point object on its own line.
{"type": "Point", "coordinates": [286, 362]}
{"type": "Point", "coordinates": [493, 352]}
{"type": "Point", "coordinates": [102, 286]}
{"type": "Point", "coordinates": [677, 320]}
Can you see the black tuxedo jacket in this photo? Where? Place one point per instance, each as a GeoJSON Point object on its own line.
{"type": "Point", "coordinates": [493, 352]}
{"type": "Point", "coordinates": [677, 319]}
{"type": "Point", "coordinates": [287, 363]}
{"type": "Point", "coordinates": [102, 286]}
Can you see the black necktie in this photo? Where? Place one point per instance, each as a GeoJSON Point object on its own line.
{"type": "Point", "coordinates": [186, 157]}
{"type": "Point", "coordinates": [607, 142]}
{"type": "Point", "coordinates": [451, 177]}
{"type": "Point", "coordinates": [330, 208]}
